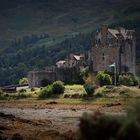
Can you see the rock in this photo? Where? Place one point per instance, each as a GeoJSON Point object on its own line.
{"type": "Point", "coordinates": [2, 115]}
{"type": "Point", "coordinates": [53, 102]}
{"type": "Point", "coordinates": [73, 109]}
{"type": "Point", "coordinates": [113, 104]}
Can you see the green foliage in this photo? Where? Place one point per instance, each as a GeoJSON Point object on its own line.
{"type": "Point", "coordinates": [89, 84]}
{"type": "Point", "coordinates": [21, 95]}
{"type": "Point", "coordinates": [46, 92]}
{"type": "Point", "coordinates": [1, 92]}
{"type": "Point", "coordinates": [23, 59]}
{"type": "Point", "coordinates": [22, 90]}
{"type": "Point", "coordinates": [84, 72]}
{"type": "Point", "coordinates": [104, 127]}
{"type": "Point", "coordinates": [89, 90]}
{"type": "Point", "coordinates": [58, 87]}
{"type": "Point", "coordinates": [135, 80]}
{"type": "Point", "coordinates": [74, 91]}
{"type": "Point", "coordinates": [2, 96]}
{"type": "Point", "coordinates": [54, 89]}
{"type": "Point", "coordinates": [103, 78]}
{"type": "Point", "coordinates": [23, 81]}
{"type": "Point", "coordinates": [45, 82]}
{"type": "Point", "coordinates": [32, 89]}
{"type": "Point", "coordinates": [128, 80]}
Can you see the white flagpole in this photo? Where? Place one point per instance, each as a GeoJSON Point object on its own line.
{"type": "Point", "coordinates": [115, 74]}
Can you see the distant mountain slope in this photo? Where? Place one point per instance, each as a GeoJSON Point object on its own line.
{"type": "Point", "coordinates": [27, 27]}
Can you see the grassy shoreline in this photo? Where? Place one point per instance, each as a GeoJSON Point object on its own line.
{"type": "Point", "coordinates": [103, 95]}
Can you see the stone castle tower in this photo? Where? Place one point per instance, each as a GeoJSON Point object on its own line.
{"type": "Point", "coordinates": [114, 46]}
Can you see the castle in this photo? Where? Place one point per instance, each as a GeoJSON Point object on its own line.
{"type": "Point", "coordinates": [114, 46]}
{"type": "Point", "coordinates": [110, 46]}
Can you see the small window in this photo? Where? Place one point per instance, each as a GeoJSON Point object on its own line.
{"type": "Point", "coordinates": [103, 56]}
{"type": "Point", "coordinates": [99, 41]}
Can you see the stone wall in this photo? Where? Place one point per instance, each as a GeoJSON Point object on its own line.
{"type": "Point", "coordinates": [63, 74]}
{"type": "Point", "coordinates": [138, 70]}
{"type": "Point", "coordinates": [105, 56]}
{"type": "Point", "coordinates": [67, 74]}
{"type": "Point", "coordinates": [128, 56]}
{"type": "Point", "coordinates": [36, 77]}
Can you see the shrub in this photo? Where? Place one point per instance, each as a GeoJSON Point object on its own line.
{"type": "Point", "coordinates": [54, 89]}
{"type": "Point", "coordinates": [58, 87]}
{"type": "Point", "coordinates": [46, 92]}
{"type": "Point", "coordinates": [74, 91]}
{"type": "Point", "coordinates": [84, 73]}
{"type": "Point", "coordinates": [22, 96]}
{"type": "Point", "coordinates": [23, 81]}
{"type": "Point", "coordinates": [45, 82]}
{"type": "Point", "coordinates": [103, 78]}
{"type": "Point", "coordinates": [3, 97]}
{"type": "Point", "coordinates": [32, 89]}
{"type": "Point", "coordinates": [22, 90]}
{"type": "Point", "coordinates": [89, 89]}
{"type": "Point", "coordinates": [1, 92]}
{"type": "Point", "coordinates": [98, 127]}
{"type": "Point", "coordinates": [104, 127]}
{"type": "Point", "coordinates": [74, 96]}
{"type": "Point", "coordinates": [135, 80]}
{"type": "Point", "coordinates": [128, 80]}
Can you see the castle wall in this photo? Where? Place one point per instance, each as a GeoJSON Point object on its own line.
{"type": "Point", "coordinates": [36, 77]}
{"type": "Point", "coordinates": [127, 56]}
{"type": "Point", "coordinates": [67, 74]}
{"type": "Point", "coordinates": [63, 74]}
{"type": "Point", "coordinates": [105, 56]}
{"type": "Point", "coordinates": [138, 70]}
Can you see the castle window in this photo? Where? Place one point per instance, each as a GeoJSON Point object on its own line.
{"type": "Point", "coordinates": [103, 56]}
{"type": "Point", "coordinates": [99, 41]}
{"type": "Point", "coordinates": [96, 41]}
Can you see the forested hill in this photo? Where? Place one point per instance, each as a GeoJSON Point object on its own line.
{"type": "Point", "coordinates": [36, 33]}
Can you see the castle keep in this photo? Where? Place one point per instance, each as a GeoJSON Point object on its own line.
{"type": "Point", "coordinates": [110, 46]}
{"type": "Point", "coordinates": [114, 46]}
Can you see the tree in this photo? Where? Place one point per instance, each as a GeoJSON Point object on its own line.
{"type": "Point", "coordinates": [84, 73]}
{"type": "Point", "coordinates": [103, 78]}
{"type": "Point", "coordinates": [58, 87]}
{"type": "Point", "coordinates": [23, 81]}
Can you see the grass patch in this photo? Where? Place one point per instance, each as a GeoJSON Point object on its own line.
{"type": "Point", "coordinates": [117, 92]}
{"type": "Point", "coordinates": [74, 95]}
{"type": "Point", "coordinates": [74, 91]}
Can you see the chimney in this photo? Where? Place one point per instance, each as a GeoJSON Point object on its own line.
{"type": "Point", "coordinates": [104, 28]}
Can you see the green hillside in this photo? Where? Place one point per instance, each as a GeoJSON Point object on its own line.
{"type": "Point", "coordinates": [36, 33]}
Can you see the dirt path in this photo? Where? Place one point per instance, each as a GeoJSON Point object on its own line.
{"type": "Point", "coordinates": [37, 120]}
